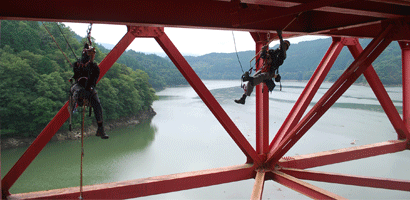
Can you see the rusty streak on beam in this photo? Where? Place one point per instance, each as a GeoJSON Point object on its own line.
{"type": "Point", "coordinates": [385, 183]}
{"type": "Point", "coordinates": [303, 187]}
{"type": "Point", "coordinates": [148, 186]}
{"type": "Point", "coordinates": [343, 155]}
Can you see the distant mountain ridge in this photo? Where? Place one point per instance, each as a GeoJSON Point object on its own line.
{"type": "Point", "coordinates": [302, 60]}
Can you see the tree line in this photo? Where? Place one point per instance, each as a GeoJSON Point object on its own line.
{"type": "Point", "coordinates": [34, 73]}
{"type": "Point", "coordinates": [34, 78]}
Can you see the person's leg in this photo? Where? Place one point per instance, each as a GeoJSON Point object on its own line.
{"type": "Point", "coordinates": [258, 78]}
{"type": "Point", "coordinates": [95, 103]}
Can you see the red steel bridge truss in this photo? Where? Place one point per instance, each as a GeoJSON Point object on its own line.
{"type": "Point", "coordinates": [384, 21]}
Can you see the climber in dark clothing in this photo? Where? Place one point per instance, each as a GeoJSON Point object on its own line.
{"type": "Point", "coordinates": [86, 74]}
{"type": "Point", "coordinates": [272, 59]}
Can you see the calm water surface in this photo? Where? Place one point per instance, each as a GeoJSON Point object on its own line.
{"type": "Point", "coordinates": [185, 136]}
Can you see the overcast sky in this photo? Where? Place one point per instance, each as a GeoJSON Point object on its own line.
{"type": "Point", "coordinates": [188, 41]}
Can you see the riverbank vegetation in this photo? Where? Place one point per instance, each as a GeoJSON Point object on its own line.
{"type": "Point", "coordinates": [34, 74]}
{"type": "Point", "coordinates": [34, 78]}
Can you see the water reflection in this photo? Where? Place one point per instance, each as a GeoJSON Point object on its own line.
{"type": "Point", "coordinates": [224, 95]}
{"type": "Point", "coordinates": [58, 164]}
{"type": "Point", "coordinates": [185, 136]}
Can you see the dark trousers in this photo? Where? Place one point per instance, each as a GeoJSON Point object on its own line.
{"type": "Point", "coordinates": [79, 93]}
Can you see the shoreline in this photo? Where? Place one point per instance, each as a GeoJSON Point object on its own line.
{"type": "Point", "coordinates": [75, 134]}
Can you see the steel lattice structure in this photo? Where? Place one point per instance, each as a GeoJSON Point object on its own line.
{"type": "Point", "coordinates": [345, 20]}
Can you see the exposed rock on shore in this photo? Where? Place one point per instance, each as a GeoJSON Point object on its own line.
{"type": "Point", "coordinates": [75, 134]}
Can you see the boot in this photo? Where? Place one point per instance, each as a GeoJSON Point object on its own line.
{"type": "Point", "coordinates": [241, 100]}
{"type": "Point", "coordinates": [101, 133]}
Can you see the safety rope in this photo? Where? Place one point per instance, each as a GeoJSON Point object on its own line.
{"type": "Point", "coordinates": [269, 41]}
{"type": "Point", "coordinates": [82, 152]}
{"type": "Point", "coordinates": [72, 51]}
{"type": "Point", "coordinates": [237, 56]}
{"type": "Point", "coordinates": [89, 34]}
{"type": "Point", "coordinates": [56, 43]}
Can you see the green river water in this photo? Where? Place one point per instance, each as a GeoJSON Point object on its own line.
{"type": "Point", "coordinates": [185, 136]}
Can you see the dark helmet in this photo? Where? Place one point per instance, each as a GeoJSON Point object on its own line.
{"type": "Point", "coordinates": [88, 53]}
{"type": "Point", "coordinates": [287, 44]}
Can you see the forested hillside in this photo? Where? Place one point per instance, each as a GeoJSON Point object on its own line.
{"type": "Point", "coordinates": [34, 78]}
{"type": "Point", "coordinates": [34, 73]}
{"type": "Point", "coordinates": [302, 60]}
{"type": "Point", "coordinates": [162, 72]}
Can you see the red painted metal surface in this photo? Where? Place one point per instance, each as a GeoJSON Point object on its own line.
{"type": "Point", "coordinates": [405, 48]}
{"type": "Point", "coordinates": [302, 187]}
{"type": "Point", "coordinates": [45, 136]}
{"type": "Point", "coordinates": [385, 183]}
{"type": "Point", "coordinates": [61, 117]}
{"type": "Point", "coordinates": [149, 186]}
{"type": "Point", "coordinates": [372, 51]}
{"type": "Point", "coordinates": [207, 97]}
{"type": "Point", "coordinates": [383, 20]}
{"type": "Point", "coordinates": [310, 90]}
{"type": "Point", "coordinates": [382, 96]}
{"type": "Point", "coordinates": [342, 155]}
{"type": "Point", "coordinates": [335, 17]}
{"type": "Point", "coordinates": [262, 100]}
{"type": "Point", "coordinates": [259, 184]}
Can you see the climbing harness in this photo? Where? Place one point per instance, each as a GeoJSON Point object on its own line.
{"type": "Point", "coordinates": [72, 105]}
{"type": "Point", "coordinates": [270, 83]}
{"type": "Point", "coordinates": [70, 100]}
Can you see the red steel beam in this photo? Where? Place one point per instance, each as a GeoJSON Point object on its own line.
{"type": "Point", "coordinates": [207, 97]}
{"type": "Point", "coordinates": [385, 183]}
{"type": "Point", "coordinates": [381, 94]}
{"type": "Point", "coordinates": [262, 101]}
{"type": "Point", "coordinates": [297, 9]}
{"type": "Point", "coordinates": [302, 187]}
{"type": "Point", "coordinates": [342, 155]}
{"type": "Point", "coordinates": [59, 119]}
{"type": "Point", "coordinates": [397, 2]}
{"type": "Point", "coordinates": [405, 51]}
{"type": "Point", "coordinates": [148, 186]}
{"type": "Point", "coordinates": [330, 9]}
{"type": "Point", "coordinates": [258, 186]}
{"type": "Point", "coordinates": [310, 90]}
{"type": "Point", "coordinates": [372, 51]}
{"type": "Point", "coordinates": [212, 14]}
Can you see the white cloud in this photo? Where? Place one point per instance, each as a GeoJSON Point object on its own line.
{"type": "Point", "coordinates": [188, 41]}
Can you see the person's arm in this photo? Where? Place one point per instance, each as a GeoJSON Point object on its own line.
{"type": "Point", "coordinates": [76, 73]}
{"type": "Point", "coordinates": [282, 43]}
